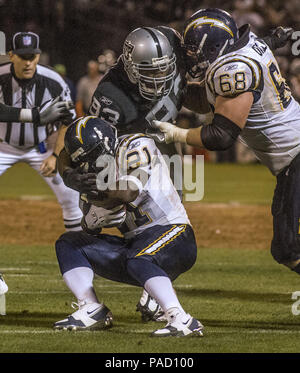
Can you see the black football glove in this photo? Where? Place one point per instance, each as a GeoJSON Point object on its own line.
{"type": "Point", "coordinates": [55, 111]}
{"type": "Point", "coordinates": [279, 37]}
{"type": "Point", "coordinates": [78, 179]}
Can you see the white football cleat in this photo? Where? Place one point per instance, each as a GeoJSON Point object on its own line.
{"type": "Point", "coordinates": [3, 286]}
{"type": "Point", "coordinates": [89, 316]}
{"type": "Point", "coordinates": [179, 325]}
{"type": "Point", "coordinates": [150, 310]}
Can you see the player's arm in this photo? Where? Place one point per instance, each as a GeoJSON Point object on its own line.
{"type": "Point", "coordinates": [75, 177]}
{"type": "Point", "coordinates": [121, 192]}
{"type": "Point", "coordinates": [49, 165]}
{"type": "Point", "coordinates": [124, 190]}
{"type": "Point", "coordinates": [226, 125]}
{"type": "Point", "coordinates": [135, 169]}
{"type": "Point", "coordinates": [278, 37]}
{"type": "Point", "coordinates": [222, 132]}
{"type": "Point", "coordinates": [235, 91]}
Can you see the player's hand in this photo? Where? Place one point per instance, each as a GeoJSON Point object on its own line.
{"type": "Point", "coordinates": [83, 182]}
{"type": "Point", "coordinates": [97, 218]}
{"type": "Point", "coordinates": [48, 167]}
{"type": "Point", "coordinates": [280, 36]}
{"type": "Point", "coordinates": [171, 132]}
{"type": "Point", "coordinates": [56, 111]}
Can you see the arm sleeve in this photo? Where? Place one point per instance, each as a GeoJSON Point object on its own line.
{"type": "Point", "coordinates": [9, 113]}
{"type": "Point", "coordinates": [220, 134]}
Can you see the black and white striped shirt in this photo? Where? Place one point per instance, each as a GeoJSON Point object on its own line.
{"type": "Point", "coordinates": [28, 93]}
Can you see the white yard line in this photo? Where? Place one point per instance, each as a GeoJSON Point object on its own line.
{"type": "Point", "coordinates": [113, 291]}
{"type": "Point", "coordinates": [3, 269]}
{"type": "Point", "coordinates": [142, 331]}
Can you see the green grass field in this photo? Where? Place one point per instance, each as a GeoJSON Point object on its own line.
{"type": "Point", "coordinates": [242, 297]}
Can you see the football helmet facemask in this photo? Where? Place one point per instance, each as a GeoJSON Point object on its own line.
{"type": "Point", "coordinates": [88, 138]}
{"type": "Point", "coordinates": [150, 62]}
{"type": "Point", "coordinates": [208, 34]}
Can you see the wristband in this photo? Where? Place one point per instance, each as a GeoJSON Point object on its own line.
{"type": "Point", "coordinates": [55, 155]}
{"type": "Point", "coordinates": [26, 115]}
{"type": "Point", "coordinates": [180, 135]}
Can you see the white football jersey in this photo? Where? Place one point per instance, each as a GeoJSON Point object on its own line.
{"type": "Point", "coordinates": [272, 130]}
{"type": "Point", "coordinates": [158, 202]}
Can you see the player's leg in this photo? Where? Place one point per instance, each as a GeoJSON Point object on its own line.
{"type": "Point", "coordinates": [150, 310]}
{"type": "Point", "coordinates": [80, 255]}
{"type": "Point", "coordinates": [285, 246]}
{"type": "Point", "coordinates": [157, 258]}
{"type": "Point", "coordinates": [69, 202]}
{"type": "Point", "coordinates": [8, 157]}
{"type": "Point", "coordinates": [67, 198]}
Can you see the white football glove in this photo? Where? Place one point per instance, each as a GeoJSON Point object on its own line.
{"type": "Point", "coordinates": [98, 217]}
{"type": "Point", "coordinates": [171, 132]}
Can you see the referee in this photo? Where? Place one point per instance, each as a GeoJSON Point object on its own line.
{"type": "Point", "coordinates": [25, 84]}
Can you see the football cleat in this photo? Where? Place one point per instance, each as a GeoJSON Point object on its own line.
{"type": "Point", "coordinates": [150, 310]}
{"type": "Point", "coordinates": [89, 316]}
{"type": "Point", "coordinates": [3, 286]}
{"type": "Point", "coordinates": [180, 325]}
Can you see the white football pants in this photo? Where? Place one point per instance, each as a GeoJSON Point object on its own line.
{"type": "Point", "coordinates": [68, 198]}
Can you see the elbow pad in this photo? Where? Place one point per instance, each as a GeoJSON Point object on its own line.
{"type": "Point", "coordinates": [220, 134]}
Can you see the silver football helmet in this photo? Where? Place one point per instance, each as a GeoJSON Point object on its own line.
{"type": "Point", "coordinates": [150, 62]}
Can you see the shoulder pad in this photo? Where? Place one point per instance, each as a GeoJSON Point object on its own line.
{"type": "Point", "coordinates": [235, 75]}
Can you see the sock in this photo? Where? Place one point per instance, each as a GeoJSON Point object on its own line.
{"type": "Point", "coordinates": [160, 288]}
{"type": "Point", "coordinates": [80, 281]}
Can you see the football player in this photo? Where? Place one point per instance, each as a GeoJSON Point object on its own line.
{"type": "Point", "coordinates": [148, 82]}
{"type": "Point", "coordinates": [158, 242]}
{"type": "Point", "coordinates": [252, 101]}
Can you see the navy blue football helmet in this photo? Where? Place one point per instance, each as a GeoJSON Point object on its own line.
{"type": "Point", "coordinates": [89, 137]}
{"type": "Point", "coordinates": [208, 34]}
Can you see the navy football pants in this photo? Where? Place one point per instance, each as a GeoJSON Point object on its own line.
{"type": "Point", "coordinates": [172, 248]}
{"type": "Point", "coordinates": [286, 214]}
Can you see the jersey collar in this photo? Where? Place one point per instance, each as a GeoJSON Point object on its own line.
{"type": "Point", "coordinates": [243, 40]}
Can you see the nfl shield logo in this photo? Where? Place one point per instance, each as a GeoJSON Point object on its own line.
{"type": "Point", "coordinates": [27, 40]}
